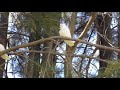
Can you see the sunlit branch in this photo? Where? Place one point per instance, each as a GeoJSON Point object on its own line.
{"type": "Point", "coordinates": [56, 38]}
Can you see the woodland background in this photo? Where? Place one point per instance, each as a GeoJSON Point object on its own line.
{"type": "Point", "coordinates": [37, 51]}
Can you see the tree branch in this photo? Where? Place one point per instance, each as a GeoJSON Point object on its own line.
{"type": "Point", "coordinates": [72, 22]}
{"type": "Point", "coordinates": [58, 37]}
{"type": "Point", "coordinates": [57, 53]}
{"type": "Point", "coordinates": [89, 23]}
{"type": "Point", "coordinates": [92, 17]}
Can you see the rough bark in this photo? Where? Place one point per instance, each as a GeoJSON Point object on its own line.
{"type": "Point", "coordinates": [104, 34]}
{"type": "Point", "coordinates": [48, 61]}
{"type": "Point", "coordinates": [34, 62]}
{"type": "Point", "coordinates": [3, 36]}
{"type": "Point", "coordinates": [119, 35]}
{"type": "Point", "coordinates": [69, 50]}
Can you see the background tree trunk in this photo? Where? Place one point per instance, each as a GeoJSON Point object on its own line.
{"type": "Point", "coordinates": [68, 63]}
{"type": "Point", "coordinates": [34, 62]}
{"type": "Point", "coordinates": [3, 36]}
{"type": "Point", "coordinates": [69, 50]}
{"type": "Point", "coordinates": [104, 34]}
{"type": "Point", "coordinates": [48, 61]}
{"type": "Point", "coordinates": [119, 35]}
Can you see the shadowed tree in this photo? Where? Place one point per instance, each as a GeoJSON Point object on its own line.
{"type": "Point", "coordinates": [3, 37]}
{"type": "Point", "coordinates": [43, 25]}
{"type": "Point", "coordinates": [103, 22]}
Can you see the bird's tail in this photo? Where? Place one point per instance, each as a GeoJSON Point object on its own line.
{"type": "Point", "coordinates": [70, 43]}
{"type": "Point", "coordinates": [6, 57]}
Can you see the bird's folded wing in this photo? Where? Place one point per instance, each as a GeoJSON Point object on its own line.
{"type": "Point", "coordinates": [6, 57]}
{"type": "Point", "coordinates": [70, 43]}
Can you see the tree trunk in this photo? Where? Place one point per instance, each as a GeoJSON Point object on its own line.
{"type": "Point", "coordinates": [68, 63]}
{"type": "Point", "coordinates": [69, 50]}
{"type": "Point", "coordinates": [45, 25]}
{"type": "Point", "coordinates": [103, 27]}
{"type": "Point", "coordinates": [48, 61]}
{"type": "Point", "coordinates": [119, 35]}
{"type": "Point", "coordinates": [3, 36]}
{"type": "Point", "coordinates": [34, 62]}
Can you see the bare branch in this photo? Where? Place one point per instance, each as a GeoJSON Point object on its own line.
{"type": "Point", "coordinates": [58, 37]}
{"type": "Point", "coordinates": [57, 53]}
{"type": "Point", "coordinates": [88, 25]}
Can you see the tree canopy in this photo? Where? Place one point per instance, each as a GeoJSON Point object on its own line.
{"type": "Point", "coordinates": [36, 49]}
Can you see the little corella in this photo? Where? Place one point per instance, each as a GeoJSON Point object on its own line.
{"type": "Point", "coordinates": [5, 56]}
{"type": "Point", "coordinates": [64, 31]}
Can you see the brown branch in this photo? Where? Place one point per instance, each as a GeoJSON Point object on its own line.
{"type": "Point", "coordinates": [57, 53]}
{"type": "Point", "coordinates": [18, 33]}
{"type": "Point", "coordinates": [72, 22]}
{"type": "Point", "coordinates": [58, 37]}
{"type": "Point", "coordinates": [88, 25]}
{"type": "Point", "coordinates": [89, 62]}
{"type": "Point", "coordinates": [84, 32]}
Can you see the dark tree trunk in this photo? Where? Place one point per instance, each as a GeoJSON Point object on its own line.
{"type": "Point", "coordinates": [3, 36]}
{"type": "Point", "coordinates": [119, 35]}
{"type": "Point", "coordinates": [48, 61]}
{"type": "Point", "coordinates": [34, 62]}
{"type": "Point", "coordinates": [104, 35]}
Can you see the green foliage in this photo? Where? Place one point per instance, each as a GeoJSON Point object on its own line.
{"type": "Point", "coordinates": [45, 22]}
{"type": "Point", "coordinates": [113, 70]}
{"type": "Point", "coordinates": [34, 25]}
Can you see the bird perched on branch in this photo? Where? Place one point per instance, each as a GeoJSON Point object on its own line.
{"type": "Point", "coordinates": [5, 56]}
{"type": "Point", "coordinates": [64, 31]}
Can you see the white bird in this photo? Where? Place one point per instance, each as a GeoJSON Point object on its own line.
{"type": "Point", "coordinates": [5, 56]}
{"type": "Point", "coordinates": [64, 31]}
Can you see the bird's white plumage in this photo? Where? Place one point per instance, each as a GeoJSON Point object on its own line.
{"type": "Point", "coordinates": [64, 31]}
{"type": "Point", "coordinates": [5, 56]}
